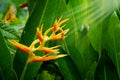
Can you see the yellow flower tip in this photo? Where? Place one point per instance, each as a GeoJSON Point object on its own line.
{"type": "Point", "coordinates": [60, 36]}
{"type": "Point", "coordinates": [57, 38]}
{"type": "Point", "coordinates": [60, 19]}
{"type": "Point", "coordinates": [63, 21]}
{"type": "Point", "coordinates": [58, 23]}
{"type": "Point", "coordinates": [46, 58]}
{"type": "Point", "coordinates": [65, 31]}
{"type": "Point", "coordinates": [55, 47]}
{"type": "Point", "coordinates": [20, 46]}
{"type": "Point", "coordinates": [39, 34]}
{"type": "Point", "coordinates": [50, 50]}
{"type": "Point", "coordinates": [9, 17]}
{"type": "Point", "coordinates": [61, 55]}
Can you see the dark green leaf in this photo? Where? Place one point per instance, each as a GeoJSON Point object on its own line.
{"type": "Point", "coordinates": [6, 66]}
{"type": "Point", "coordinates": [106, 69]}
{"type": "Point", "coordinates": [68, 69]}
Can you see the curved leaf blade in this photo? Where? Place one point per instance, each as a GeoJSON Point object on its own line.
{"type": "Point", "coordinates": [6, 66]}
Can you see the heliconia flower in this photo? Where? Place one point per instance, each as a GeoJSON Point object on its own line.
{"type": "Point", "coordinates": [60, 35]}
{"type": "Point", "coordinates": [20, 46]}
{"type": "Point", "coordinates": [54, 33]}
{"type": "Point", "coordinates": [9, 17]}
{"type": "Point", "coordinates": [50, 50]}
{"type": "Point", "coordinates": [46, 58]}
{"type": "Point", "coordinates": [58, 23]}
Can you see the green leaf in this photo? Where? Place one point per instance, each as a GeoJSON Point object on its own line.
{"type": "Point", "coordinates": [98, 31]}
{"type": "Point", "coordinates": [9, 32]}
{"type": "Point", "coordinates": [99, 26]}
{"type": "Point", "coordinates": [101, 36]}
{"type": "Point", "coordinates": [27, 38]}
{"type": "Point", "coordinates": [68, 69]}
{"type": "Point", "coordinates": [77, 43]}
{"type": "Point", "coordinates": [31, 4]}
{"type": "Point", "coordinates": [113, 43]}
{"type": "Point", "coordinates": [17, 3]}
{"type": "Point", "coordinates": [31, 71]}
{"type": "Point", "coordinates": [118, 8]}
{"type": "Point", "coordinates": [106, 69]}
{"type": "Point", "coordinates": [6, 66]}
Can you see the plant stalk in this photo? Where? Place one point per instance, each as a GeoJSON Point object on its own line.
{"type": "Point", "coordinates": [24, 71]}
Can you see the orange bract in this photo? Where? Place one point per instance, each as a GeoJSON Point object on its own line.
{"type": "Point", "coordinates": [46, 58]}
{"type": "Point", "coordinates": [39, 34]}
{"type": "Point", "coordinates": [60, 36]}
{"type": "Point", "coordinates": [58, 23]}
{"type": "Point", "coordinates": [50, 50]}
{"type": "Point", "coordinates": [20, 46]}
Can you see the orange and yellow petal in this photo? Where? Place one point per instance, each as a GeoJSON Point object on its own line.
{"type": "Point", "coordinates": [49, 50]}
{"type": "Point", "coordinates": [63, 21]}
{"type": "Point", "coordinates": [46, 58]}
{"type": "Point", "coordinates": [9, 17]}
{"type": "Point", "coordinates": [60, 36]}
{"type": "Point", "coordinates": [55, 26]}
{"type": "Point", "coordinates": [58, 23]}
{"type": "Point", "coordinates": [39, 34]}
{"type": "Point", "coordinates": [20, 46]}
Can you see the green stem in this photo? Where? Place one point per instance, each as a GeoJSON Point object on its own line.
{"type": "Point", "coordinates": [24, 71]}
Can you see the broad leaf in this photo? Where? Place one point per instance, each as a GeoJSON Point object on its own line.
{"type": "Point", "coordinates": [106, 69]}
{"type": "Point", "coordinates": [6, 66]}
{"type": "Point", "coordinates": [26, 38]}
{"type": "Point", "coordinates": [113, 43]}
{"type": "Point", "coordinates": [118, 8]}
{"type": "Point", "coordinates": [77, 43]}
{"type": "Point", "coordinates": [68, 69]}
{"type": "Point", "coordinates": [101, 36]}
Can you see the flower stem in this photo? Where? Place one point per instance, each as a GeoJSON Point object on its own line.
{"type": "Point", "coordinates": [24, 71]}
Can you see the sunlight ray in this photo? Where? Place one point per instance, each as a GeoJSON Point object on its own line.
{"type": "Point", "coordinates": [99, 18]}
{"type": "Point", "coordinates": [91, 14]}
{"type": "Point", "coordinates": [89, 11]}
{"type": "Point", "coordinates": [79, 9]}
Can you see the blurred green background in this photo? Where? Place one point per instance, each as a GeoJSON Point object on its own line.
{"type": "Point", "coordinates": [92, 43]}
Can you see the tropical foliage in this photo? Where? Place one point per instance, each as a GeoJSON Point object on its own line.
{"type": "Point", "coordinates": [89, 44]}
